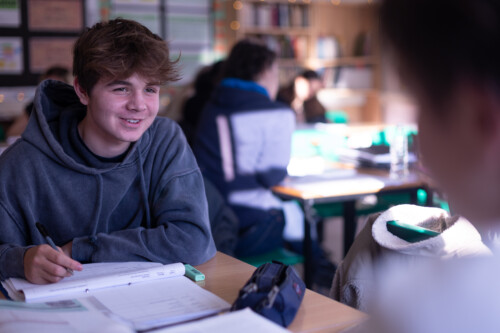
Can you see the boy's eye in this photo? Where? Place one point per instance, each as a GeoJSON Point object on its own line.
{"type": "Point", "coordinates": [151, 90]}
{"type": "Point", "coordinates": [120, 89]}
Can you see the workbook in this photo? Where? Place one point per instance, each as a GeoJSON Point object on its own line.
{"type": "Point", "coordinates": [142, 294]}
{"type": "Point", "coordinates": [244, 321]}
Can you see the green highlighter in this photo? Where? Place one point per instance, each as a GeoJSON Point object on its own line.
{"type": "Point", "coordinates": [410, 233]}
{"type": "Point", "coordinates": [193, 273]}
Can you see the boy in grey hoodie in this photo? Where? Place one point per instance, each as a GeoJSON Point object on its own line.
{"type": "Point", "coordinates": [447, 54]}
{"type": "Point", "coordinates": [109, 180]}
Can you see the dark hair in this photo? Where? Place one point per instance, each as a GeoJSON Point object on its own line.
{"type": "Point", "coordinates": [309, 74]}
{"type": "Point", "coordinates": [58, 72]}
{"type": "Point", "coordinates": [118, 49]}
{"type": "Point", "coordinates": [248, 59]}
{"type": "Point", "coordinates": [439, 42]}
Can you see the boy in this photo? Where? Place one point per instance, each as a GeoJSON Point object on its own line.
{"type": "Point", "coordinates": [447, 54]}
{"type": "Point", "coordinates": [109, 180]}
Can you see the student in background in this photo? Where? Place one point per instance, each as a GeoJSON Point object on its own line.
{"type": "Point", "coordinates": [301, 96]}
{"type": "Point", "coordinates": [447, 54]}
{"type": "Point", "coordinates": [243, 147]}
{"type": "Point", "coordinates": [204, 85]}
{"type": "Point", "coordinates": [109, 180]}
{"type": "Point", "coordinates": [53, 73]}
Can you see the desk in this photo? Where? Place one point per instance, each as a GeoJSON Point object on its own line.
{"type": "Point", "coordinates": [345, 189]}
{"type": "Point", "coordinates": [225, 276]}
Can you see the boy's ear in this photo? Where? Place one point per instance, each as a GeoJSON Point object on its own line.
{"type": "Point", "coordinates": [82, 93]}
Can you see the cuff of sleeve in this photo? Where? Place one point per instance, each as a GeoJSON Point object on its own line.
{"type": "Point", "coordinates": [13, 263]}
{"type": "Point", "coordinates": [83, 248]}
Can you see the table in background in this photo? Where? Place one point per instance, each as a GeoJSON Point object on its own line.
{"type": "Point", "coordinates": [345, 189]}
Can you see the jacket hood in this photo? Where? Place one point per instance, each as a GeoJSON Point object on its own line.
{"type": "Point", "coordinates": [55, 102]}
{"type": "Point", "coordinates": [237, 98]}
{"type": "Point", "coordinates": [457, 238]}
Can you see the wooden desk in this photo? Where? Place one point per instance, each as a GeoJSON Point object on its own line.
{"type": "Point", "coordinates": [345, 190]}
{"type": "Point", "coordinates": [225, 276]}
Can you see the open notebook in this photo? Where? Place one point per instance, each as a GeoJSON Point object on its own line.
{"type": "Point", "coordinates": [143, 294]}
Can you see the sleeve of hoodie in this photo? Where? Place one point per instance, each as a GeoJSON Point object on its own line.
{"type": "Point", "coordinates": [179, 230]}
{"type": "Point", "coordinates": [11, 256]}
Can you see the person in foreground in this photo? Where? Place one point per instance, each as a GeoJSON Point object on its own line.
{"type": "Point", "coordinates": [447, 54]}
{"type": "Point", "coordinates": [107, 179]}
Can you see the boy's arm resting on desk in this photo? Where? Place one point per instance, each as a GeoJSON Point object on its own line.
{"type": "Point", "coordinates": [17, 259]}
{"type": "Point", "coordinates": [11, 261]}
{"type": "Point", "coordinates": [179, 229]}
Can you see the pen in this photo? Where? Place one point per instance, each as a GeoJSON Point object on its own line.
{"type": "Point", "coordinates": [49, 240]}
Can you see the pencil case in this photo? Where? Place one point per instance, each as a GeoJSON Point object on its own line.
{"type": "Point", "coordinates": [274, 291]}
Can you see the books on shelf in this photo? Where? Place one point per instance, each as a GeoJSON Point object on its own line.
{"type": "Point", "coordinates": [280, 15]}
{"type": "Point", "coordinates": [287, 47]}
{"type": "Point", "coordinates": [327, 47]}
{"type": "Point", "coordinates": [142, 294]}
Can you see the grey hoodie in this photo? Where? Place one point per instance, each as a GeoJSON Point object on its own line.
{"type": "Point", "coordinates": [151, 206]}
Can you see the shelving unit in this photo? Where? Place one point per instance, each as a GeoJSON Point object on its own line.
{"type": "Point", "coordinates": [333, 37]}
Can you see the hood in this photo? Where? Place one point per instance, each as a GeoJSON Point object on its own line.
{"type": "Point", "coordinates": [55, 104]}
{"type": "Point", "coordinates": [240, 97]}
{"type": "Point", "coordinates": [458, 236]}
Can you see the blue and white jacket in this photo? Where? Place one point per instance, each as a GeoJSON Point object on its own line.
{"type": "Point", "coordinates": [243, 145]}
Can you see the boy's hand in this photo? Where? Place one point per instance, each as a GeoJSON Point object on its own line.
{"type": "Point", "coordinates": [43, 264]}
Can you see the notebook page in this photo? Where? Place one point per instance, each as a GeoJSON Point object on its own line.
{"type": "Point", "coordinates": [94, 277]}
{"type": "Point", "coordinates": [161, 302]}
{"type": "Point", "coordinates": [245, 321]}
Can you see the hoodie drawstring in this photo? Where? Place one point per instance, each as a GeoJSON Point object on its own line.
{"type": "Point", "coordinates": [144, 194]}
{"type": "Point", "coordinates": [97, 210]}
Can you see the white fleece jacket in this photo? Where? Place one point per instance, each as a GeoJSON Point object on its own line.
{"type": "Point", "coordinates": [355, 281]}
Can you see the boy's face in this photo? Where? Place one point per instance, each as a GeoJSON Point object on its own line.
{"type": "Point", "coordinates": [118, 113]}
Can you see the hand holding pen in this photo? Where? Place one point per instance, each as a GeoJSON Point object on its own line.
{"type": "Point", "coordinates": [47, 263]}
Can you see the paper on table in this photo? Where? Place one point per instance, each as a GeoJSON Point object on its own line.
{"type": "Point", "coordinates": [55, 317]}
{"type": "Point", "coordinates": [159, 303]}
{"type": "Point", "coordinates": [245, 321]}
{"type": "Point", "coordinates": [93, 277]}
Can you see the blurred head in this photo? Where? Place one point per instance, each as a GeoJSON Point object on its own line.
{"type": "Point", "coordinates": [118, 49]}
{"type": "Point", "coordinates": [252, 60]}
{"type": "Point", "coordinates": [307, 84]}
{"type": "Point", "coordinates": [59, 73]}
{"type": "Point", "coordinates": [448, 56]}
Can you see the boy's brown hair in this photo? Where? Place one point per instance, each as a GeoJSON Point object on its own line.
{"type": "Point", "coordinates": [119, 48]}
